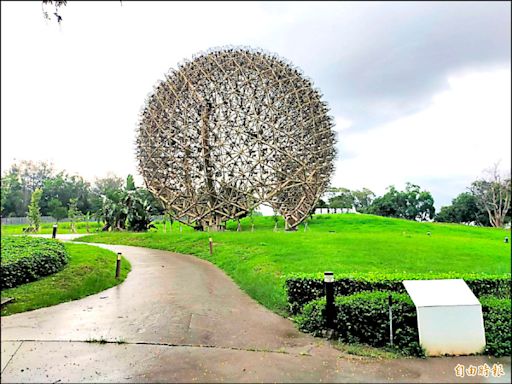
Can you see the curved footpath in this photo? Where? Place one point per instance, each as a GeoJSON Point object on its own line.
{"type": "Point", "coordinates": [180, 318]}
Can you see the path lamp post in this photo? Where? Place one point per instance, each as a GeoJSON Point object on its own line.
{"type": "Point", "coordinates": [329, 297]}
{"type": "Point", "coordinates": [54, 231]}
{"type": "Point", "coordinates": [210, 240]}
{"type": "Point", "coordinates": [390, 303]}
{"type": "Point", "coordinates": [118, 265]}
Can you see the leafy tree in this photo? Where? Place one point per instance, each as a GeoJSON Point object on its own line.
{"type": "Point", "coordinates": [447, 214]}
{"type": "Point", "coordinates": [253, 213]}
{"type": "Point", "coordinates": [12, 196]}
{"type": "Point", "coordinates": [493, 194]}
{"type": "Point", "coordinates": [411, 204]}
{"type": "Point", "coordinates": [344, 199]}
{"type": "Point", "coordinates": [113, 211]}
{"type": "Point", "coordinates": [108, 186]}
{"type": "Point", "coordinates": [34, 213]}
{"type": "Point", "coordinates": [321, 204]}
{"type": "Point", "coordinates": [464, 209]}
{"type": "Point", "coordinates": [363, 199]}
{"type": "Point", "coordinates": [30, 175]}
{"type": "Point", "coordinates": [139, 211]}
{"type": "Point", "coordinates": [275, 217]}
{"type": "Point", "coordinates": [127, 209]}
{"type": "Point", "coordinates": [87, 219]}
{"type": "Point", "coordinates": [422, 205]}
{"type": "Point", "coordinates": [56, 209]}
{"type": "Point", "coordinates": [64, 187]}
{"type": "Point", "coordinates": [74, 214]}
{"type": "Point", "coordinates": [57, 4]}
{"type": "Point", "coordinates": [390, 204]}
{"type": "Point", "coordinates": [130, 183]}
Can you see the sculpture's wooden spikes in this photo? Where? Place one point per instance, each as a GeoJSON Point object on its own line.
{"type": "Point", "coordinates": [230, 130]}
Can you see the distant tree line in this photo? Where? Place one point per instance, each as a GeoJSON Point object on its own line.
{"type": "Point", "coordinates": [411, 203]}
{"type": "Point", "coordinates": [35, 188]}
{"type": "Point", "coordinates": [118, 203]}
{"type": "Point", "coordinates": [486, 203]}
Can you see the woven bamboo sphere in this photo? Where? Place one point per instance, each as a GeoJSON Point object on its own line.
{"type": "Point", "coordinates": [232, 129]}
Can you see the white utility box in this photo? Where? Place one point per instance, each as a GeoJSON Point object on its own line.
{"type": "Point", "coordinates": [450, 317]}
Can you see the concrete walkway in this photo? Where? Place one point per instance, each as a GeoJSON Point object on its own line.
{"type": "Point", "coordinates": [179, 318]}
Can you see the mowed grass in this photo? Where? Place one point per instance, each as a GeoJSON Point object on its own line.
{"type": "Point", "coordinates": [89, 270]}
{"type": "Point", "coordinates": [47, 228]}
{"type": "Point", "coordinates": [344, 243]}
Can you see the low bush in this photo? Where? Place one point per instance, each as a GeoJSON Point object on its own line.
{"type": "Point", "coordinates": [363, 318]}
{"type": "Point", "coordinates": [26, 259]}
{"type": "Point", "coordinates": [498, 327]}
{"type": "Point", "coordinates": [303, 288]}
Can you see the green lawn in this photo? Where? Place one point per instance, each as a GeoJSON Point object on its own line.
{"type": "Point", "coordinates": [46, 228]}
{"type": "Point", "coordinates": [89, 270]}
{"type": "Point", "coordinates": [344, 243]}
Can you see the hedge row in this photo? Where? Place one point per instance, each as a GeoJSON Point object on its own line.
{"type": "Point", "coordinates": [302, 288]}
{"type": "Point", "coordinates": [498, 326]}
{"type": "Point", "coordinates": [363, 318]}
{"type": "Point", "coordinates": [25, 259]}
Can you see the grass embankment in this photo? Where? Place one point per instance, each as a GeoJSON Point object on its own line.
{"type": "Point", "coordinates": [346, 243]}
{"type": "Point", "coordinates": [47, 228]}
{"type": "Point", "coordinates": [89, 270]}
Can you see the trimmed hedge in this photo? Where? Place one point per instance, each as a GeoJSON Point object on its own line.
{"type": "Point", "coordinates": [303, 288]}
{"type": "Point", "coordinates": [363, 318]}
{"type": "Point", "coordinates": [25, 259]}
{"type": "Point", "coordinates": [498, 326]}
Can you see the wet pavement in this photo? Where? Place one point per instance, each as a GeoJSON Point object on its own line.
{"type": "Point", "coordinates": [177, 318]}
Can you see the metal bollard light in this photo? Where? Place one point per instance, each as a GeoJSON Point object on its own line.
{"type": "Point", "coordinates": [329, 297]}
{"type": "Point", "coordinates": [54, 231]}
{"type": "Point", "coordinates": [390, 302]}
{"type": "Point", "coordinates": [118, 265]}
{"type": "Point", "coordinates": [211, 246]}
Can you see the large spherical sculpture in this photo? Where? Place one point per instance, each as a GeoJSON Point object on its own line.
{"type": "Point", "coordinates": [230, 130]}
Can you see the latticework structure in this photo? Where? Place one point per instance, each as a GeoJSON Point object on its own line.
{"type": "Point", "coordinates": [230, 130]}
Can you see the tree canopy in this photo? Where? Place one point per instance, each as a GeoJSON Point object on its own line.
{"type": "Point", "coordinates": [59, 188]}
{"type": "Point", "coordinates": [411, 203]}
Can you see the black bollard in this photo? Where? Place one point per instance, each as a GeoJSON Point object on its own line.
{"type": "Point", "coordinates": [211, 246]}
{"type": "Point", "coordinates": [54, 231]}
{"type": "Point", "coordinates": [506, 240]}
{"type": "Point", "coordinates": [390, 302]}
{"type": "Point", "coordinates": [329, 297]}
{"type": "Point", "coordinates": [118, 265]}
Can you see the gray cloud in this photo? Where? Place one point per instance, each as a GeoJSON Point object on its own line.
{"type": "Point", "coordinates": [378, 61]}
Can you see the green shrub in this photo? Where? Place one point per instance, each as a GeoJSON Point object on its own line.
{"type": "Point", "coordinates": [498, 328]}
{"type": "Point", "coordinates": [26, 259]}
{"type": "Point", "coordinates": [312, 318]}
{"type": "Point", "coordinates": [303, 288]}
{"type": "Point", "coordinates": [363, 318]}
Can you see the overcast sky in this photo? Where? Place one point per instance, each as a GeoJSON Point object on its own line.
{"type": "Point", "coordinates": [420, 92]}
